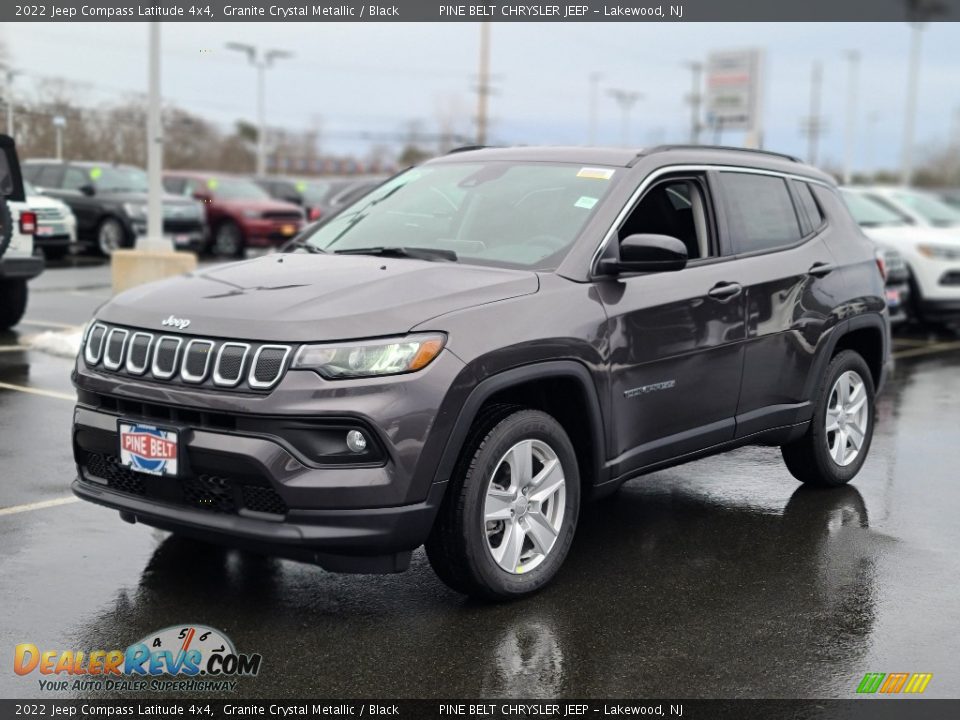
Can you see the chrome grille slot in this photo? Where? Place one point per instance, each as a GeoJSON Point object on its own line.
{"type": "Point", "coordinates": [228, 370]}
{"type": "Point", "coordinates": [196, 361]}
{"type": "Point", "coordinates": [115, 346]}
{"type": "Point", "coordinates": [165, 357]}
{"type": "Point", "coordinates": [138, 355]}
{"type": "Point", "coordinates": [94, 346]}
{"type": "Point", "coordinates": [268, 365]}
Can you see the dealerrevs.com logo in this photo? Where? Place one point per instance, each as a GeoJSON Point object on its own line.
{"type": "Point", "coordinates": [186, 658]}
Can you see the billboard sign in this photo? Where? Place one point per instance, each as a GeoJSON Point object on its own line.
{"type": "Point", "coordinates": [733, 89]}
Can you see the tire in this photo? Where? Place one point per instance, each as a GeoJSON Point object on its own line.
{"type": "Point", "coordinates": [228, 241]}
{"type": "Point", "coordinates": [111, 236]}
{"type": "Point", "coordinates": [13, 302]}
{"type": "Point", "coordinates": [828, 458]}
{"type": "Point", "coordinates": [6, 225]}
{"type": "Point", "coordinates": [464, 549]}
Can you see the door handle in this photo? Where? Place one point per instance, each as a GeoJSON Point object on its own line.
{"type": "Point", "coordinates": [821, 269]}
{"type": "Point", "coordinates": [724, 291]}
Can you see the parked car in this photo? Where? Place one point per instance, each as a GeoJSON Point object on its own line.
{"type": "Point", "coordinates": [18, 223]}
{"type": "Point", "coordinates": [240, 213]}
{"type": "Point", "coordinates": [110, 203]}
{"type": "Point", "coordinates": [348, 194]}
{"type": "Point", "coordinates": [312, 194]}
{"type": "Point", "coordinates": [916, 207]}
{"type": "Point", "coordinates": [484, 342]}
{"type": "Point", "coordinates": [56, 226]}
{"type": "Point", "coordinates": [951, 196]}
{"type": "Point", "coordinates": [932, 253]}
{"type": "Point", "coordinates": [897, 287]}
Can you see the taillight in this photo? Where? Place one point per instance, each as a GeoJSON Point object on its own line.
{"type": "Point", "coordinates": [881, 266]}
{"type": "Point", "coordinates": [315, 213]}
{"type": "Point", "coordinates": [28, 223]}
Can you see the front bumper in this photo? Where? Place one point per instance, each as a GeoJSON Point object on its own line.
{"type": "Point", "coordinates": [268, 233]}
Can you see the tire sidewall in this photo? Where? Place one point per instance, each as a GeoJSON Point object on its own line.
{"type": "Point", "coordinates": [107, 221]}
{"type": "Point", "coordinates": [233, 251]}
{"type": "Point", "coordinates": [523, 425]}
{"type": "Point", "coordinates": [843, 362]}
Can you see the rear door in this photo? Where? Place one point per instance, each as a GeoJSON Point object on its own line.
{"type": "Point", "coordinates": [790, 281]}
{"type": "Point", "coordinates": [11, 180]}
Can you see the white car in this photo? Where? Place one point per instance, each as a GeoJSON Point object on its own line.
{"type": "Point", "coordinates": [56, 224]}
{"type": "Point", "coordinates": [892, 217]}
{"type": "Point", "coordinates": [17, 225]}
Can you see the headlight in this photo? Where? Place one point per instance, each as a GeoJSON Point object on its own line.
{"type": "Point", "coordinates": [138, 211]}
{"type": "Point", "coordinates": [251, 214]}
{"type": "Point", "coordinates": [367, 358]}
{"type": "Point", "coordinates": [939, 252]}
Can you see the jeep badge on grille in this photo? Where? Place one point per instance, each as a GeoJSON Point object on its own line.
{"type": "Point", "coordinates": [179, 323]}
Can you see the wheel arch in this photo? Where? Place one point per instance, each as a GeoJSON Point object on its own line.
{"type": "Point", "coordinates": [540, 386]}
{"type": "Point", "coordinates": [868, 335]}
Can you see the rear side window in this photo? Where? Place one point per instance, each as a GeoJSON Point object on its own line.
{"type": "Point", "coordinates": [760, 212]}
{"type": "Point", "coordinates": [810, 214]}
{"type": "Point", "coordinates": [75, 179]}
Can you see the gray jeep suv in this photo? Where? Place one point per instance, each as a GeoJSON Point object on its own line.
{"type": "Point", "coordinates": [465, 355]}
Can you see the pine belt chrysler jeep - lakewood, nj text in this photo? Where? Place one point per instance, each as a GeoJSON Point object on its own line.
{"type": "Point", "coordinates": [465, 355]}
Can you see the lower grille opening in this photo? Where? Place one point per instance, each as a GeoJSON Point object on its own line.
{"type": "Point", "coordinates": [212, 493]}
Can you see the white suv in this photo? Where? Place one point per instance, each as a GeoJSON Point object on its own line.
{"type": "Point", "coordinates": [926, 232]}
{"type": "Point", "coordinates": [18, 223]}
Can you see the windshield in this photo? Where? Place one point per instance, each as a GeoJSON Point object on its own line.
{"type": "Point", "coordinates": [929, 208]}
{"type": "Point", "coordinates": [236, 189]}
{"type": "Point", "coordinates": [499, 213]}
{"type": "Point", "coordinates": [119, 179]}
{"type": "Point", "coordinates": [29, 189]}
{"type": "Point", "coordinates": [870, 213]}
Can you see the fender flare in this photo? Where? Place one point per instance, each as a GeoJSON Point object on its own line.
{"type": "Point", "coordinates": [837, 332]}
{"type": "Point", "coordinates": [517, 376]}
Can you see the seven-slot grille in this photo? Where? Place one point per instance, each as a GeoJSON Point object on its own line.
{"type": "Point", "coordinates": [187, 360]}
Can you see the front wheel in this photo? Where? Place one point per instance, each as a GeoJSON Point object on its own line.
{"type": "Point", "coordinates": [228, 240]}
{"type": "Point", "coordinates": [110, 236]}
{"type": "Point", "coordinates": [509, 515]}
{"type": "Point", "coordinates": [836, 444]}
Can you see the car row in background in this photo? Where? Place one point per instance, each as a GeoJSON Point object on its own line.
{"type": "Point", "coordinates": [925, 231]}
{"type": "Point", "coordinates": [319, 197]}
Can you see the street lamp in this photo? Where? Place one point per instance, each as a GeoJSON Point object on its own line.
{"type": "Point", "coordinates": [261, 59]}
{"type": "Point", "coordinates": [853, 58]}
{"type": "Point", "coordinates": [626, 99]}
{"type": "Point", "coordinates": [59, 123]}
{"type": "Point", "coordinates": [10, 74]}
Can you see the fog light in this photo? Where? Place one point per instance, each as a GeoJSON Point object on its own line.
{"type": "Point", "coordinates": [356, 441]}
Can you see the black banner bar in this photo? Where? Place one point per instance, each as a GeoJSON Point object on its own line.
{"type": "Point", "coordinates": [872, 708]}
{"type": "Point", "coordinates": [456, 11]}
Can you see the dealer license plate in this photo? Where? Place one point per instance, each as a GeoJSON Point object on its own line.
{"type": "Point", "coordinates": [148, 448]}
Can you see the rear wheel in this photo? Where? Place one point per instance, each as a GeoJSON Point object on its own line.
{"type": "Point", "coordinates": [110, 236]}
{"type": "Point", "coordinates": [836, 444]}
{"type": "Point", "coordinates": [13, 302]}
{"type": "Point", "coordinates": [228, 240]}
{"type": "Point", "coordinates": [508, 518]}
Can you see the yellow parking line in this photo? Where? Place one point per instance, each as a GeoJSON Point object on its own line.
{"type": "Point", "coordinates": [38, 505]}
{"type": "Point", "coordinates": [38, 391]}
{"type": "Point", "coordinates": [928, 350]}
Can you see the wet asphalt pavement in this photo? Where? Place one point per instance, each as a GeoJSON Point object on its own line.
{"type": "Point", "coordinates": [719, 578]}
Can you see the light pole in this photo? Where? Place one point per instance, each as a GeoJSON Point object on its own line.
{"type": "Point", "coordinates": [913, 80]}
{"type": "Point", "coordinates": [154, 238]}
{"type": "Point", "coordinates": [59, 122]}
{"type": "Point", "coordinates": [595, 78]}
{"type": "Point", "coordinates": [483, 83]}
{"type": "Point", "coordinates": [853, 58]}
{"type": "Point", "coordinates": [10, 74]}
{"type": "Point", "coordinates": [694, 99]}
{"type": "Point", "coordinates": [626, 99]}
{"type": "Point", "coordinates": [261, 59]}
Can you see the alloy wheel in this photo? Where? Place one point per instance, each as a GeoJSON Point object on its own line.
{"type": "Point", "coordinates": [848, 418]}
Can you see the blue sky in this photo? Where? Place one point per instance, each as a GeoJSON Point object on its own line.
{"type": "Point", "coordinates": [380, 76]}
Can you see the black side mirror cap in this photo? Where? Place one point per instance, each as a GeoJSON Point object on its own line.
{"type": "Point", "coordinates": [89, 190]}
{"type": "Point", "coordinates": [647, 252]}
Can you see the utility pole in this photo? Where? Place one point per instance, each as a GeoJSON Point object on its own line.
{"type": "Point", "coordinates": [154, 237]}
{"type": "Point", "coordinates": [9, 75]}
{"type": "Point", "coordinates": [870, 154]}
{"type": "Point", "coordinates": [853, 58]}
{"type": "Point", "coordinates": [694, 99]}
{"type": "Point", "coordinates": [813, 126]}
{"type": "Point", "coordinates": [913, 80]}
{"type": "Point", "coordinates": [483, 83]}
{"type": "Point", "coordinates": [626, 99]}
{"type": "Point", "coordinates": [59, 122]}
{"type": "Point", "coordinates": [594, 101]}
{"type": "Point", "coordinates": [261, 60]}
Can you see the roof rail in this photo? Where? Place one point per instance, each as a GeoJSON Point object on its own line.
{"type": "Point", "coordinates": [466, 148]}
{"type": "Point", "coordinates": [661, 148]}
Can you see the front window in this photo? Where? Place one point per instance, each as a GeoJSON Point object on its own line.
{"type": "Point", "coordinates": [496, 213]}
{"type": "Point", "coordinates": [929, 208]}
{"type": "Point", "coordinates": [236, 189]}
{"type": "Point", "coordinates": [118, 179]}
{"type": "Point", "coordinates": [869, 213]}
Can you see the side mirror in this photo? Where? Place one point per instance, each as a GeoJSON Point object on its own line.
{"type": "Point", "coordinates": [89, 190]}
{"type": "Point", "coordinates": [648, 253]}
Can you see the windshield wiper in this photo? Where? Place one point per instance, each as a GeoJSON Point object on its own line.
{"type": "Point", "coordinates": [303, 244]}
{"type": "Point", "coordinates": [403, 252]}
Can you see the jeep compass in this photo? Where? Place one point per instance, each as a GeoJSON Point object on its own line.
{"type": "Point", "coordinates": [467, 354]}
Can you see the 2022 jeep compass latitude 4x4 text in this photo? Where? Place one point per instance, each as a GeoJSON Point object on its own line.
{"type": "Point", "coordinates": [467, 354]}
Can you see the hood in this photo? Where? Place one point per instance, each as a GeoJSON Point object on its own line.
{"type": "Point", "coordinates": [265, 205]}
{"type": "Point", "coordinates": [308, 298]}
{"type": "Point", "coordinates": [912, 234]}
